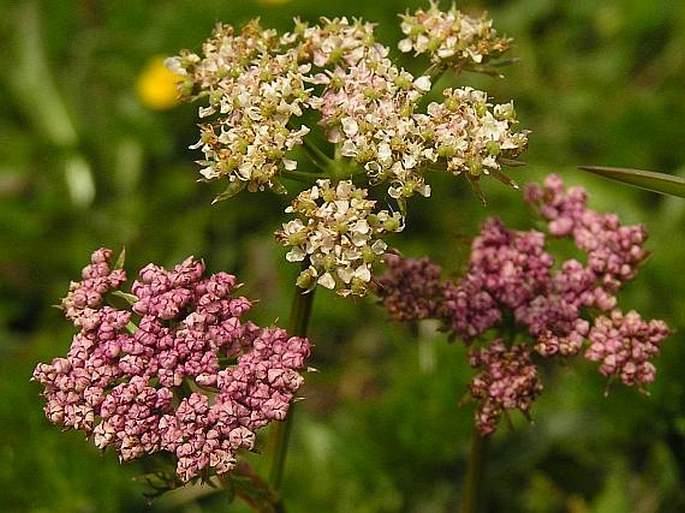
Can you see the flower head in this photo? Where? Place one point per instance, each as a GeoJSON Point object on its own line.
{"type": "Point", "coordinates": [337, 235]}
{"type": "Point", "coordinates": [471, 135]}
{"type": "Point", "coordinates": [410, 289]}
{"type": "Point", "coordinates": [507, 380]}
{"type": "Point", "coordinates": [255, 89]}
{"type": "Point", "coordinates": [367, 106]}
{"type": "Point", "coordinates": [512, 282]}
{"type": "Point", "coordinates": [192, 378]}
{"type": "Point", "coordinates": [625, 345]}
{"type": "Point", "coordinates": [258, 85]}
{"type": "Point", "coordinates": [451, 38]}
{"type": "Point", "coordinates": [614, 251]}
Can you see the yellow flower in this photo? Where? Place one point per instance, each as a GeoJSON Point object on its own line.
{"type": "Point", "coordinates": [156, 85]}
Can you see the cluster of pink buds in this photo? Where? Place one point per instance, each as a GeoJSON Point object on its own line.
{"type": "Point", "coordinates": [189, 378]}
{"type": "Point", "coordinates": [565, 308]}
{"type": "Point", "coordinates": [508, 380]}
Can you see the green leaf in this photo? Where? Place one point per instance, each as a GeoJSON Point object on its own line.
{"type": "Point", "coordinates": [121, 259]}
{"type": "Point", "coordinates": [504, 178]}
{"type": "Point", "coordinates": [649, 180]}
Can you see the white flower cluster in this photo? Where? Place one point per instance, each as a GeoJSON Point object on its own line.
{"type": "Point", "coordinates": [259, 87]}
{"type": "Point", "coordinates": [367, 107]}
{"type": "Point", "coordinates": [337, 233]}
{"type": "Point", "coordinates": [469, 134]}
{"type": "Point", "coordinates": [451, 37]}
{"type": "Point", "coordinates": [255, 85]}
{"type": "Point", "coordinates": [338, 42]}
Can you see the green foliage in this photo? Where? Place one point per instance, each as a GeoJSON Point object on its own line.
{"type": "Point", "coordinates": [648, 180]}
{"type": "Point", "coordinates": [83, 163]}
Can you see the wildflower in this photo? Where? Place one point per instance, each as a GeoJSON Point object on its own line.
{"type": "Point", "coordinates": [337, 233]}
{"type": "Point", "coordinates": [614, 251]}
{"type": "Point", "coordinates": [625, 345]}
{"type": "Point", "coordinates": [467, 310]}
{"type": "Point", "coordinates": [470, 134]}
{"type": "Point", "coordinates": [513, 267]}
{"type": "Point", "coordinates": [163, 385]}
{"type": "Point", "coordinates": [508, 380]}
{"type": "Point", "coordinates": [84, 299]}
{"type": "Point", "coordinates": [512, 282]}
{"type": "Point", "coordinates": [255, 89]}
{"type": "Point", "coordinates": [156, 85]}
{"type": "Point", "coordinates": [337, 43]}
{"type": "Point", "coordinates": [367, 106]}
{"type": "Point", "coordinates": [370, 115]}
{"type": "Point", "coordinates": [257, 86]}
{"type": "Point", "coordinates": [410, 289]}
{"type": "Point", "coordinates": [451, 38]}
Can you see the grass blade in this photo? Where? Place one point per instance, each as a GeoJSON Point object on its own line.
{"type": "Point", "coordinates": [649, 180]}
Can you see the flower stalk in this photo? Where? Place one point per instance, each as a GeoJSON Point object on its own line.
{"type": "Point", "coordinates": [279, 435]}
{"type": "Point", "coordinates": [471, 500]}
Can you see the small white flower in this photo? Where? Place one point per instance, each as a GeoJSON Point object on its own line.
{"type": "Point", "coordinates": [174, 65]}
{"type": "Point", "coordinates": [384, 153]}
{"type": "Point", "coordinates": [203, 112]}
{"type": "Point", "coordinates": [363, 273]}
{"type": "Point", "coordinates": [349, 149]}
{"type": "Point", "coordinates": [423, 83]}
{"type": "Point", "coordinates": [350, 127]}
{"type": "Point", "coordinates": [450, 36]}
{"type": "Point", "coordinates": [296, 254]}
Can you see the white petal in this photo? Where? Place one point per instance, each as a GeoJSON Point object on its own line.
{"type": "Point", "coordinates": [296, 254]}
{"type": "Point", "coordinates": [327, 281]}
{"type": "Point", "coordinates": [423, 83]}
{"type": "Point", "coordinates": [350, 127]}
{"type": "Point", "coordinates": [345, 274]}
{"type": "Point", "coordinates": [363, 273]}
{"type": "Point", "coordinates": [379, 247]}
{"type": "Point", "coordinates": [405, 45]}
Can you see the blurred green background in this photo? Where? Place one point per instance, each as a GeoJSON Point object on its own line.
{"type": "Point", "coordinates": [84, 162]}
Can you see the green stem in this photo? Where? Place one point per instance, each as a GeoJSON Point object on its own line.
{"type": "Point", "coordinates": [471, 493]}
{"type": "Point", "coordinates": [300, 176]}
{"type": "Point", "coordinates": [436, 71]}
{"type": "Point", "coordinates": [279, 435]}
{"type": "Point", "coordinates": [320, 159]}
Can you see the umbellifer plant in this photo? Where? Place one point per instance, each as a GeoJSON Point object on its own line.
{"type": "Point", "coordinates": [171, 367]}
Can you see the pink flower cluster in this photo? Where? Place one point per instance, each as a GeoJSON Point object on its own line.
{"type": "Point", "coordinates": [625, 344]}
{"type": "Point", "coordinates": [511, 278]}
{"type": "Point", "coordinates": [411, 289]}
{"type": "Point", "coordinates": [191, 378]}
{"type": "Point", "coordinates": [508, 380]}
{"type": "Point", "coordinates": [614, 251]}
